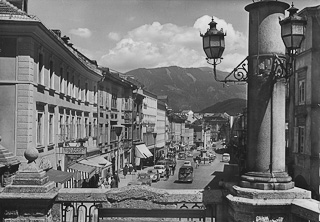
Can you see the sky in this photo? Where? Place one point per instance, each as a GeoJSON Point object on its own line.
{"type": "Point", "coordinates": [128, 34]}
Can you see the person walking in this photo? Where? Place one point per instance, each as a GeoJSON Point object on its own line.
{"type": "Point", "coordinates": [117, 180]}
{"type": "Point", "coordinates": [113, 183]}
{"type": "Point", "coordinates": [125, 170]}
{"type": "Point", "coordinates": [167, 172]}
{"type": "Point", "coordinates": [173, 168]}
{"type": "Point", "coordinates": [130, 168]}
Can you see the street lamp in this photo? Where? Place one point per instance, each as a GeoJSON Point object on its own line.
{"type": "Point", "coordinates": [265, 69]}
{"type": "Point", "coordinates": [292, 34]}
{"type": "Point", "coordinates": [154, 149]}
{"type": "Point", "coordinates": [213, 45]}
{"type": "Point", "coordinates": [118, 129]}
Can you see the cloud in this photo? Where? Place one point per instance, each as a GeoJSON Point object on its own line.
{"type": "Point", "coordinates": [157, 45]}
{"type": "Point", "coordinates": [82, 32]}
{"type": "Point", "coordinates": [114, 36]}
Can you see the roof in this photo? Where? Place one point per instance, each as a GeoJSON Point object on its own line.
{"type": "Point", "coordinates": [10, 12]}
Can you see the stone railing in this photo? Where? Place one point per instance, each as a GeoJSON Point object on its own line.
{"type": "Point", "coordinates": [32, 197]}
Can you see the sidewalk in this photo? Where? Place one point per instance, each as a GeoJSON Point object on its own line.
{"type": "Point", "coordinates": [129, 177]}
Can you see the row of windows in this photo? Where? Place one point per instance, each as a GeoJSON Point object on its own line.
{"type": "Point", "coordinates": [68, 128]}
{"type": "Point", "coordinates": [66, 82]}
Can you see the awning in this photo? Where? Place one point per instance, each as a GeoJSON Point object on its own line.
{"type": "Point", "coordinates": [142, 151]}
{"type": "Point", "coordinates": [97, 161]}
{"type": "Point", "coordinates": [59, 176]}
{"type": "Point", "coordinates": [82, 167]}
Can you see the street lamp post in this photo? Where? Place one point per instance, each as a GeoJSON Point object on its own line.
{"type": "Point", "coordinates": [154, 149]}
{"type": "Point", "coordinates": [265, 70]}
{"type": "Point", "coordinates": [118, 129]}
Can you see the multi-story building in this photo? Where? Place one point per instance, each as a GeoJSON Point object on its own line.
{"type": "Point", "coordinates": [161, 149]}
{"type": "Point", "coordinates": [303, 108]}
{"type": "Point", "coordinates": [50, 100]}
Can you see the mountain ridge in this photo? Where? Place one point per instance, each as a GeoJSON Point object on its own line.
{"type": "Point", "coordinates": [187, 88]}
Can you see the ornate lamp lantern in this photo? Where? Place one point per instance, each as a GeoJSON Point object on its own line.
{"type": "Point", "coordinates": [213, 42]}
{"type": "Point", "coordinates": [292, 34]}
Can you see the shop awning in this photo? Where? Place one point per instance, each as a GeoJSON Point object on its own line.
{"type": "Point", "coordinates": [82, 167]}
{"type": "Point", "coordinates": [97, 161]}
{"type": "Point", "coordinates": [59, 176]}
{"type": "Point", "coordinates": [142, 151]}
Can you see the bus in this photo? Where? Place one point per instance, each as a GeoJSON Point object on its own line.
{"type": "Point", "coordinates": [185, 174]}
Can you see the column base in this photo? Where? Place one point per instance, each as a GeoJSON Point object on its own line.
{"type": "Point", "coordinates": [267, 181]}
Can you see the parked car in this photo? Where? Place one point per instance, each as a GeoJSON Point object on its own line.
{"type": "Point", "coordinates": [185, 174]}
{"type": "Point", "coordinates": [190, 154]}
{"type": "Point", "coordinates": [154, 175]}
{"type": "Point", "coordinates": [226, 157]}
{"type": "Point", "coordinates": [182, 156]}
{"type": "Point", "coordinates": [142, 179]}
{"type": "Point", "coordinates": [161, 169]}
{"type": "Point", "coordinates": [199, 148]}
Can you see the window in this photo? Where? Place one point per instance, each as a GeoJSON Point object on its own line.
{"type": "Point", "coordinates": [40, 70]}
{"type": "Point", "coordinates": [67, 127]}
{"type": "Point", "coordinates": [61, 81]}
{"type": "Point", "coordinates": [95, 127]}
{"type": "Point", "coordinates": [61, 129]}
{"type": "Point", "coordinates": [86, 126]}
{"type": "Point", "coordinates": [51, 129]}
{"type": "Point", "coordinates": [126, 133]}
{"type": "Point", "coordinates": [40, 129]}
{"type": "Point", "coordinates": [106, 133]}
{"type": "Point", "coordinates": [86, 94]}
{"type": "Point", "coordinates": [79, 89]}
{"type": "Point", "coordinates": [78, 127]}
{"type": "Point", "coordinates": [301, 139]}
{"type": "Point", "coordinates": [100, 132]}
{"type": "Point", "coordinates": [302, 92]}
{"type": "Point", "coordinates": [95, 94]}
{"type": "Point", "coordinates": [114, 101]}
{"type": "Point", "coordinates": [72, 87]}
{"type": "Point", "coordinates": [68, 84]}
{"type": "Point", "coordinates": [51, 77]}
{"type": "Point", "coordinates": [72, 129]}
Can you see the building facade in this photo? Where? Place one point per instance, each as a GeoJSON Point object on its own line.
{"type": "Point", "coordinates": [303, 109]}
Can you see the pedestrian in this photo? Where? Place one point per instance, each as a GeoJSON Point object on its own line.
{"type": "Point", "coordinates": [130, 168]}
{"type": "Point", "coordinates": [173, 168]}
{"type": "Point", "coordinates": [167, 172]}
{"type": "Point", "coordinates": [134, 167]}
{"type": "Point", "coordinates": [125, 170]}
{"type": "Point", "coordinates": [85, 183]}
{"type": "Point", "coordinates": [113, 183]}
{"type": "Point", "coordinates": [117, 179]}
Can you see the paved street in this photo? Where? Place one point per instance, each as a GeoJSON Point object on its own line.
{"type": "Point", "coordinates": [208, 174]}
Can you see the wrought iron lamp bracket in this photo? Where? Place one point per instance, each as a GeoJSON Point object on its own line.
{"type": "Point", "coordinates": [282, 68]}
{"type": "Point", "coordinates": [237, 75]}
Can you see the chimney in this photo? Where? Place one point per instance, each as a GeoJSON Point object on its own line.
{"type": "Point", "coordinates": [57, 32]}
{"type": "Point", "coordinates": [20, 4]}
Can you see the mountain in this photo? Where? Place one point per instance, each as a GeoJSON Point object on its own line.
{"type": "Point", "coordinates": [230, 106]}
{"type": "Point", "coordinates": [187, 88]}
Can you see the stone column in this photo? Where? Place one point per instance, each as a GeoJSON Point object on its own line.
{"type": "Point", "coordinates": [31, 195]}
{"type": "Point", "coordinates": [266, 100]}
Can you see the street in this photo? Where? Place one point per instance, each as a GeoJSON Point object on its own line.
{"type": "Point", "coordinates": [205, 176]}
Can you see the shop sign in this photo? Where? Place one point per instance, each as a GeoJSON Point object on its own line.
{"type": "Point", "coordinates": [74, 150]}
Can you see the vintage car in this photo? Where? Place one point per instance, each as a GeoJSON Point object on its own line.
{"type": "Point", "coordinates": [161, 169]}
{"type": "Point", "coordinates": [226, 157]}
{"type": "Point", "coordinates": [185, 174]}
{"type": "Point", "coordinates": [154, 175]}
{"type": "Point", "coordinates": [142, 179]}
